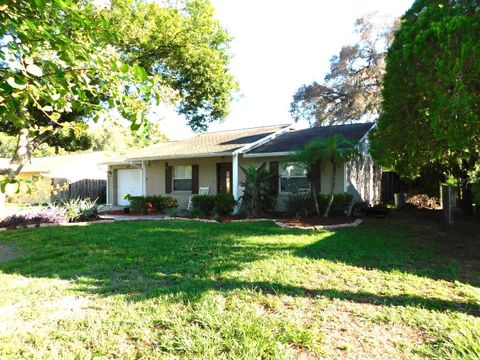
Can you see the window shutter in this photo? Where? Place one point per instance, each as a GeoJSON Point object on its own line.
{"type": "Point", "coordinates": [274, 169]}
{"type": "Point", "coordinates": [315, 177]}
{"type": "Point", "coordinates": [195, 183]}
{"type": "Point", "coordinates": [168, 179]}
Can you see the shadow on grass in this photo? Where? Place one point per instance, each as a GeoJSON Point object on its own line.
{"type": "Point", "coordinates": [186, 259]}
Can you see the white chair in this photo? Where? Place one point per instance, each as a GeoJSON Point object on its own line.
{"type": "Point", "coordinates": [202, 190]}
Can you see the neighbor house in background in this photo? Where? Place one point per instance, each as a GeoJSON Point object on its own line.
{"type": "Point", "coordinates": [69, 172]}
{"type": "Point", "coordinates": [213, 160]}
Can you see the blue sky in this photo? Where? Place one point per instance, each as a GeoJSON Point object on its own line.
{"type": "Point", "coordinates": [279, 45]}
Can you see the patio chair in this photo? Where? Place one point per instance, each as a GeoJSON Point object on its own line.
{"type": "Point", "coordinates": [202, 190]}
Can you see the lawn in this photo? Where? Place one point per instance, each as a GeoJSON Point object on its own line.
{"type": "Point", "coordinates": [239, 290]}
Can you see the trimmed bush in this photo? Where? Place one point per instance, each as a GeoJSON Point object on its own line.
{"type": "Point", "coordinates": [204, 203]}
{"type": "Point", "coordinates": [197, 213]}
{"type": "Point", "coordinates": [300, 205]}
{"type": "Point", "coordinates": [341, 202]}
{"type": "Point", "coordinates": [224, 204]}
{"type": "Point", "coordinates": [160, 203]}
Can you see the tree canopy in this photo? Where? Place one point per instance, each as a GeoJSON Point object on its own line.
{"type": "Point", "coordinates": [431, 97]}
{"type": "Point", "coordinates": [65, 63]}
{"type": "Point", "coordinates": [351, 90]}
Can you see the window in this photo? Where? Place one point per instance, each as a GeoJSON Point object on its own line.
{"type": "Point", "coordinates": [292, 178]}
{"type": "Point", "coordinates": [182, 178]}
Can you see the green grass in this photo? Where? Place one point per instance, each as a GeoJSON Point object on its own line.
{"type": "Point", "coordinates": [239, 290]}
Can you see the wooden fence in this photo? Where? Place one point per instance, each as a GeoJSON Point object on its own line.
{"type": "Point", "coordinates": [83, 189]}
{"type": "Point", "coordinates": [391, 184]}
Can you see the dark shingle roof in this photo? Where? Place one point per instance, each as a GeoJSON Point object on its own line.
{"type": "Point", "coordinates": [298, 139]}
{"type": "Point", "coordinates": [213, 143]}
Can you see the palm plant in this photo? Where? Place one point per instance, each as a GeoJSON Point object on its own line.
{"type": "Point", "coordinates": [256, 193]}
{"type": "Point", "coordinates": [334, 149]}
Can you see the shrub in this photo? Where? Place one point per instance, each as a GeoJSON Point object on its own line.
{"type": "Point", "coordinates": [197, 213]}
{"type": "Point", "coordinates": [204, 203]}
{"type": "Point", "coordinates": [138, 204]}
{"type": "Point", "coordinates": [14, 220]}
{"type": "Point", "coordinates": [159, 203]}
{"type": "Point", "coordinates": [300, 205]}
{"type": "Point", "coordinates": [52, 214]}
{"type": "Point", "coordinates": [223, 204]}
{"type": "Point", "coordinates": [170, 203]}
{"type": "Point", "coordinates": [341, 202]}
{"type": "Point", "coordinates": [80, 210]}
{"type": "Point", "coordinates": [172, 212]}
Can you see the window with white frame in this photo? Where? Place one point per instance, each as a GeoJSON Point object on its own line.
{"type": "Point", "coordinates": [292, 178]}
{"type": "Point", "coordinates": [182, 178]}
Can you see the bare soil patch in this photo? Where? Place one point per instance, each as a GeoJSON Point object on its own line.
{"type": "Point", "coordinates": [350, 334]}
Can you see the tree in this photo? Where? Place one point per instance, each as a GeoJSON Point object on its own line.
{"type": "Point", "coordinates": [186, 46]}
{"type": "Point", "coordinates": [334, 150]}
{"type": "Point", "coordinates": [431, 102]}
{"type": "Point", "coordinates": [351, 90]}
{"type": "Point", "coordinates": [66, 62]}
{"type": "Point", "coordinates": [57, 67]}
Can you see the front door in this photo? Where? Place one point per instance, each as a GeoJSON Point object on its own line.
{"type": "Point", "coordinates": [224, 178]}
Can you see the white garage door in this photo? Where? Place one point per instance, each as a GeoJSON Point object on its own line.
{"type": "Point", "coordinates": [129, 181]}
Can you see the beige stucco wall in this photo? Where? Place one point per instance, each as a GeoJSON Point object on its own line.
{"type": "Point", "coordinates": [325, 177]}
{"type": "Point", "coordinates": [155, 177]}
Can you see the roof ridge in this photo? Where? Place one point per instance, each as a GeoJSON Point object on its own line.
{"type": "Point", "coordinates": [338, 125]}
{"type": "Point", "coordinates": [240, 129]}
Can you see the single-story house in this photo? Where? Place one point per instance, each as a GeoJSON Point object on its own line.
{"type": "Point", "coordinates": [214, 160]}
{"type": "Point", "coordinates": [67, 169]}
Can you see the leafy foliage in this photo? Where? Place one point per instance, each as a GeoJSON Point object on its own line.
{"type": "Point", "coordinates": [431, 105]}
{"type": "Point", "coordinates": [256, 193]}
{"type": "Point", "coordinates": [351, 90]}
{"type": "Point", "coordinates": [186, 47]}
{"type": "Point", "coordinates": [335, 150]}
{"type": "Point", "coordinates": [77, 210]}
{"type": "Point", "coordinates": [204, 203]}
{"type": "Point", "coordinates": [51, 214]}
{"type": "Point", "coordinates": [302, 204]}
{"type": "Point", "coordinates": [66, 63]}
{"type": "Point", "coordinates": [160, 203]}
{"type": "Point", "coordinates": [224, 204]}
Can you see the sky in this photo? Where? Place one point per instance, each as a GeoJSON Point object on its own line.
{"type": "Point", "coordinates": [279, 45]}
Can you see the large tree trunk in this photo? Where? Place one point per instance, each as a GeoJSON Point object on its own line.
{"type": "Point", "coordinates": [332, 189]}
{"type": "Point", "coordinates": [22, 155]}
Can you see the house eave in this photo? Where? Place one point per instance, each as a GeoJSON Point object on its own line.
{"type": "Point", "coordinates": [269, 154]}
{"type": "Point", "coordinates": [182, 156]}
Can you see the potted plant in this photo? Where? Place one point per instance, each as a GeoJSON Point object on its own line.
{"type": "Point", "coordinates": [149, 208]}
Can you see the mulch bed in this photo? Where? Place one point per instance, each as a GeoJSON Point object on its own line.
{"type": "Point", "coordinates": [319, 220]}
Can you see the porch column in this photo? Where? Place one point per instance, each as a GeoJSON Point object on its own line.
{"type": "Point", "coordinates": [144, 179]}
{"type": "Point", "coordinates": [235, 181]}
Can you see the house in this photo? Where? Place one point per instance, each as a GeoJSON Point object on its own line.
{"type": "Point", "coordinates": [214, 160]}
{"type": "Point", "coordinates": [59, 170]}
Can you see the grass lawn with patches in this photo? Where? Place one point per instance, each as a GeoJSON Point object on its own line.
{"type": "Point", "coordinates": [238, 290]}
